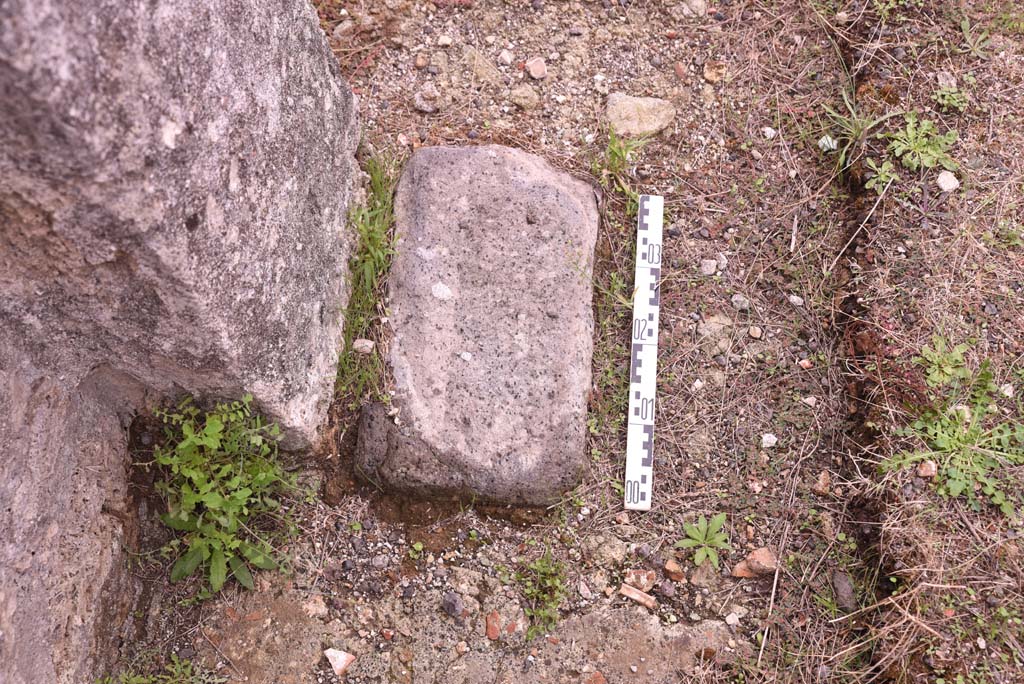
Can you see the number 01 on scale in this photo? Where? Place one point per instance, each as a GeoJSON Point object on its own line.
{"type": "Point", "coordinates": [643, 366]}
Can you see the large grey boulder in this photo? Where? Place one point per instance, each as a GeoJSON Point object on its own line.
{"type": "Point", "coordinates": [173, 188]}
{"type": "Point", "coordinates": [490, 307]}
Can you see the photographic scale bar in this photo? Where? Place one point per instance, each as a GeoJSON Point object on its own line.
{"type": "Point", "coordinates": [643, 366]}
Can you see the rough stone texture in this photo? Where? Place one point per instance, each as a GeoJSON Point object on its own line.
{"type": "Point", "coordinates": [490, 300]}
{"type": "Point", "coordinates": [173, 187]}
{"type": "Point", "coordinates": [638, 116]}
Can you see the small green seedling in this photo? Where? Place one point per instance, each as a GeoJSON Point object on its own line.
{"type": "Point", "coordinates": [919, 144]}
{"type": "Point", "coordinates": [881, 176]}
{"type": "Point", "coordinates": [944, 365]}
{"type": "Point", "coordinates": [543, 586]}
{"type": "Point", "coordinates": [707, 538]}
{"type": "Point", "coordinates": [416, 550]}
{"type": "Point", "coordinates": [178, 671]}
{"type": "Point", "coordinates": [974, 44]}
{"type": "Point", "coordinates": [950, 98]}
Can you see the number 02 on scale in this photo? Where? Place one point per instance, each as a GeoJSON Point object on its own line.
{"type": "Point", "coordinates": [643, 366]}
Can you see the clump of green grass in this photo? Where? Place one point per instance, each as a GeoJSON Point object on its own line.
{"type": "Point", "coordinates": [543, 585]}
{"type": "Point", "coordinates": [964, 433]}
{"type": "Point", "coordinates": [852, 130]}
{"type": "Point", "coordinates": [358, 374]}
{"type": "Point", "coordinates": [611, 169]}
{"type": "Point", "coordinates": [706, 538]}
{"type": "Point", "coordinates": [220, 475]}
{"type": "Point", "coordinates": [919, 144]}
{"type": "Point", "coordinates": [178, 671]}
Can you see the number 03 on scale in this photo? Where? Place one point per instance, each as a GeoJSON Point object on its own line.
{"type": "Point", "coordinates": [643, 366]}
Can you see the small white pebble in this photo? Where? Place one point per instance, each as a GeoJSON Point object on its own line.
{"type": "Point", "coordinates": [769, 132]}
{"type": "Point", "coordinates": [768, 440]}
{"type": "Point", "coordinates": [1006, 390]}
{"type": "Point", "coordinates": [466, 356]}
{"type": "Point", "coordinates": [796, 300]}
{"type": "Point", "coordinates": [947, 182]}
{"type": "Point", "coordinates": [444, 41]}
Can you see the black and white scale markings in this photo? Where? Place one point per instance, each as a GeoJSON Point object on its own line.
{"type": "Point", "coordinates": [643, 367]}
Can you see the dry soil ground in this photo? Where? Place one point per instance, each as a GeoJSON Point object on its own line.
{"type": "Point", "coordinates": [834, 270]}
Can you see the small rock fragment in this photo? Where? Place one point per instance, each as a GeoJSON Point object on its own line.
{"type": "Point", "coordinates": [769, 132]}
{"type": "Point", "coordinates": [761, 561]}
{"type": "Point", "coordinates": [340, 660]}
{"type": "Point", "coordinates": [806, 364]}
{"type": "Point", "coordinates": [796, 300]}
{"type": "Point", "coordinates": [638, 116]}
{"type": "Point", "coordinates": [846, 594]}
{"type": "Point", "coordinates": [462, 648]}
{"type": "Point", "coordinates": [537, 68]}
{"type": "Point", "coordinates": [947, 182]}
{"type": "Point", "coordinates": [363, 346]}
{"type": "Point", "coordinates": [755, 332]}
{"type": "Point", "coordinates": [714, 71]}
{"type": "Point", "coordinates": [315, 607]}
{"type": "Point", "coordinates": [768, 440]}
{"type": "Point", "coordinates": [343, 29]}
{"type": "Point", "coordinates": [493, 625]}
{"type": "Point", "coordinates": [525, 97]}
{"type": "Point", "coordinates": [1006, 390]}
{"type": "Point", "coordinates": [674, 571]}
{"type": "Point", "coordinates": [640, 597]}
{"type": "Point", "coordinates": [927, 469]}
{"type": "Point", "coordinates": [822, 483]}
{"type": "Point", "coordinates": [740, 302]}
{"type": "Point", "coordinates": [421, 61]}
{"type": "Point", "coordinates": [444, 41]}
{"type": "Point", "coordinates": [732, 619]}
{"type": "Point", "coordinates": [641, 579]}
{"type": "Point", "coordinates": [694, 8]}
{"type": "Point", "coordinates": [708, 267]}
{"type": "Point", "coordinates": [425, 99]}
{"type": "Point", "coordinates": [505, 57]}
{"type": "Point", "coordinates": [452, 604]}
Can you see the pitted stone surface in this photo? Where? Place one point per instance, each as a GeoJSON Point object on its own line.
{"type": "Point", "coordinates": [490, 305]}
{"type": "Point", "coordinates": [173, 188]}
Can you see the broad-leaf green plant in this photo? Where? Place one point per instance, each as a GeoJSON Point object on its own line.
{"type": "Point", "coordinates": [221, 474]}
{"type": "Point", "coordinates": [974, 447]}
{"type": "Point", "coordinates": [706, 538]}
{"type": "Point", "coordinates": [919, 144]}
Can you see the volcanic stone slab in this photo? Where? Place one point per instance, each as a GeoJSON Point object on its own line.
{"type": "Point", "coordinates": [173, 187]}
{"type": "Point", "coordinates": [490, 308]}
